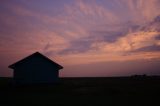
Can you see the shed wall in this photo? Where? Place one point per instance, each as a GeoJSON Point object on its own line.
{"type": "Point", "coordinates": [36, 70]}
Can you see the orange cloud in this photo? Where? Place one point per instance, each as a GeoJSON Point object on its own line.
{"type": "Point", "coordinates": [90, 24]}
{"type": "Point", "coordinates": [130, 42]}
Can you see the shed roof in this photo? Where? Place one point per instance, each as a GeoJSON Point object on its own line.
{"type": "Point", "coordinates": [36, 54]}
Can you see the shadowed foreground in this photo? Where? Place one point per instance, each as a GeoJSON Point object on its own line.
{"type": "Point", "coordinates": [128, 91]}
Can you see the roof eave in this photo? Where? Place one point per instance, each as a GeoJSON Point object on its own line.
{"type": "Point", "coordinates": [11, 66]}
{"type": "Point", "coordinates": [60, 67]}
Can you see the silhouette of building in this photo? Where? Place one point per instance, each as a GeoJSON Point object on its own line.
{"type": "Point", "coordinates": [35, 69]}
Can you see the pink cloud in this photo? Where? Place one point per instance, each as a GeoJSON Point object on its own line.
{"type": "Point", "coordinates": [82, 25]}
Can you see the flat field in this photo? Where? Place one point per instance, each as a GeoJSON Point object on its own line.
{"type": "Point", "coordinates": [109, 91]}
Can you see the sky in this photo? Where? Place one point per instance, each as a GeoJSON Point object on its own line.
{"type": "Point", "coordinates": [89, 38]}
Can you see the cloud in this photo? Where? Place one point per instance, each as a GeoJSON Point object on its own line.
{"type": "Point", "coordinates": [130, 42]}
{"type": "Point", "coordinates": [140, 43]}
{"type": "Point", "coordinates": [151, 48]}
{"type": "Point", "coordinates": [81, 31]}
{"type": "Point", "coordinates": [140, 11]}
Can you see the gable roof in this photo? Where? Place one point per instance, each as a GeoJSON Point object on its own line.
{"type": "Point", "coordinates": [34, 55]}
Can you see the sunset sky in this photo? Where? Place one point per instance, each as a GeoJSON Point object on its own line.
{"type": "Point", "coordinates": [88, 37]}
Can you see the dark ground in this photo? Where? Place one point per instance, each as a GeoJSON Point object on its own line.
{"type": "Point", "coordinates": [119, 91]}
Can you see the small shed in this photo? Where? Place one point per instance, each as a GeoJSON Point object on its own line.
{"type": "Point", "coordinates": [36, 69]}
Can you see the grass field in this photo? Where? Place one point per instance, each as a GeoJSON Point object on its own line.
{"type": "Point", "coordinates": [118, 91]}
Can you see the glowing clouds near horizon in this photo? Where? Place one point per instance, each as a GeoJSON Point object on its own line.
{"type": "Point", "coordinates": [82, 33]}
